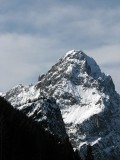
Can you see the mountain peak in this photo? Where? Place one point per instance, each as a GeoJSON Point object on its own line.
{"type": "Point", "coordinates": [87, 99]}
{"type": "Point", "coordinates": [86, 64]}
{"type": "Point", "coordinates": [73, 53]}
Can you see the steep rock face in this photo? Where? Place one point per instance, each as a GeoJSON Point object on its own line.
{"type": "Point", "coordinates": [21, 138]}
{"type": "Point", "coordinates": [41, 109]}
{"type": "Point", "coordinates": [88, 101]}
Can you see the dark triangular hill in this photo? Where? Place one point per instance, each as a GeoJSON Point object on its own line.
{"type": "Point", "coordinates": [21, 138]}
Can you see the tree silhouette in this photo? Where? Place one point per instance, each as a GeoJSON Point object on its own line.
{"type": "Point", "coordinates": [28, 139]}
{"type": "Point", "coordinates": [89, 155]}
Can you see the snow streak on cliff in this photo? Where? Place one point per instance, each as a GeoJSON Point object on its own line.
{"type": "Point", "coordinates": [87, 99]}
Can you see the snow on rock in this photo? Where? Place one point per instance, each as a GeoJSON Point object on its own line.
{"type": "Point", "coordinates": [20, 95]}
{"type": "Point", "coordinates": [1, 94]}
{"type": "Point", "coordinates": [42, 109]}
{"type": "Point", "coordinates": [88, 101]}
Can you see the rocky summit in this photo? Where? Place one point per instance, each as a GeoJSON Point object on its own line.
{"type": "Point", "coordinates": [87, 99]}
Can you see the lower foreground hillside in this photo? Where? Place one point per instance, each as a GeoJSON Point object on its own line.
{"type": "Point", "coordinates": [23, 139]}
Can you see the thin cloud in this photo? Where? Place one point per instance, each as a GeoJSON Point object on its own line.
{"type": "Point", "coordinates": [34, 35]}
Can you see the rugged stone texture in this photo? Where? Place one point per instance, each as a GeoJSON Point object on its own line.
{"type": "Point", "coordinates": [88, 101]}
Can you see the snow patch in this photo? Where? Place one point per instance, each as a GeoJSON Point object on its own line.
{"type": "Point", "coordinates": [96, 141]}
{"type": "Point", "coordinates": [77, 114]}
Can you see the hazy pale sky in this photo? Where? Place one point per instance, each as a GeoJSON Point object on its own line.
{"type": "Point", "coordinates": [34, 34]}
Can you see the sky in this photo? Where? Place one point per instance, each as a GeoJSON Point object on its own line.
{"type": "Point", "coordinates": [35, 34]}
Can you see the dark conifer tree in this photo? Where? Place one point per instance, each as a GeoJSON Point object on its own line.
{"type": "Point", "coordinates": [89, 155]}
{"type": "Point", "coordinates": [21, 138]}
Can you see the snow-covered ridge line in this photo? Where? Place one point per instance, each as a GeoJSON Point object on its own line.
{"type": "Point", "coordinates": [87, 98]}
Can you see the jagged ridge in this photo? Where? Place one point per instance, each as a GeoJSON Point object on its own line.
{"type": "Point", "coordinates": [88, 102]}
{"type": "Point", "coordinates": [21, 138]}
